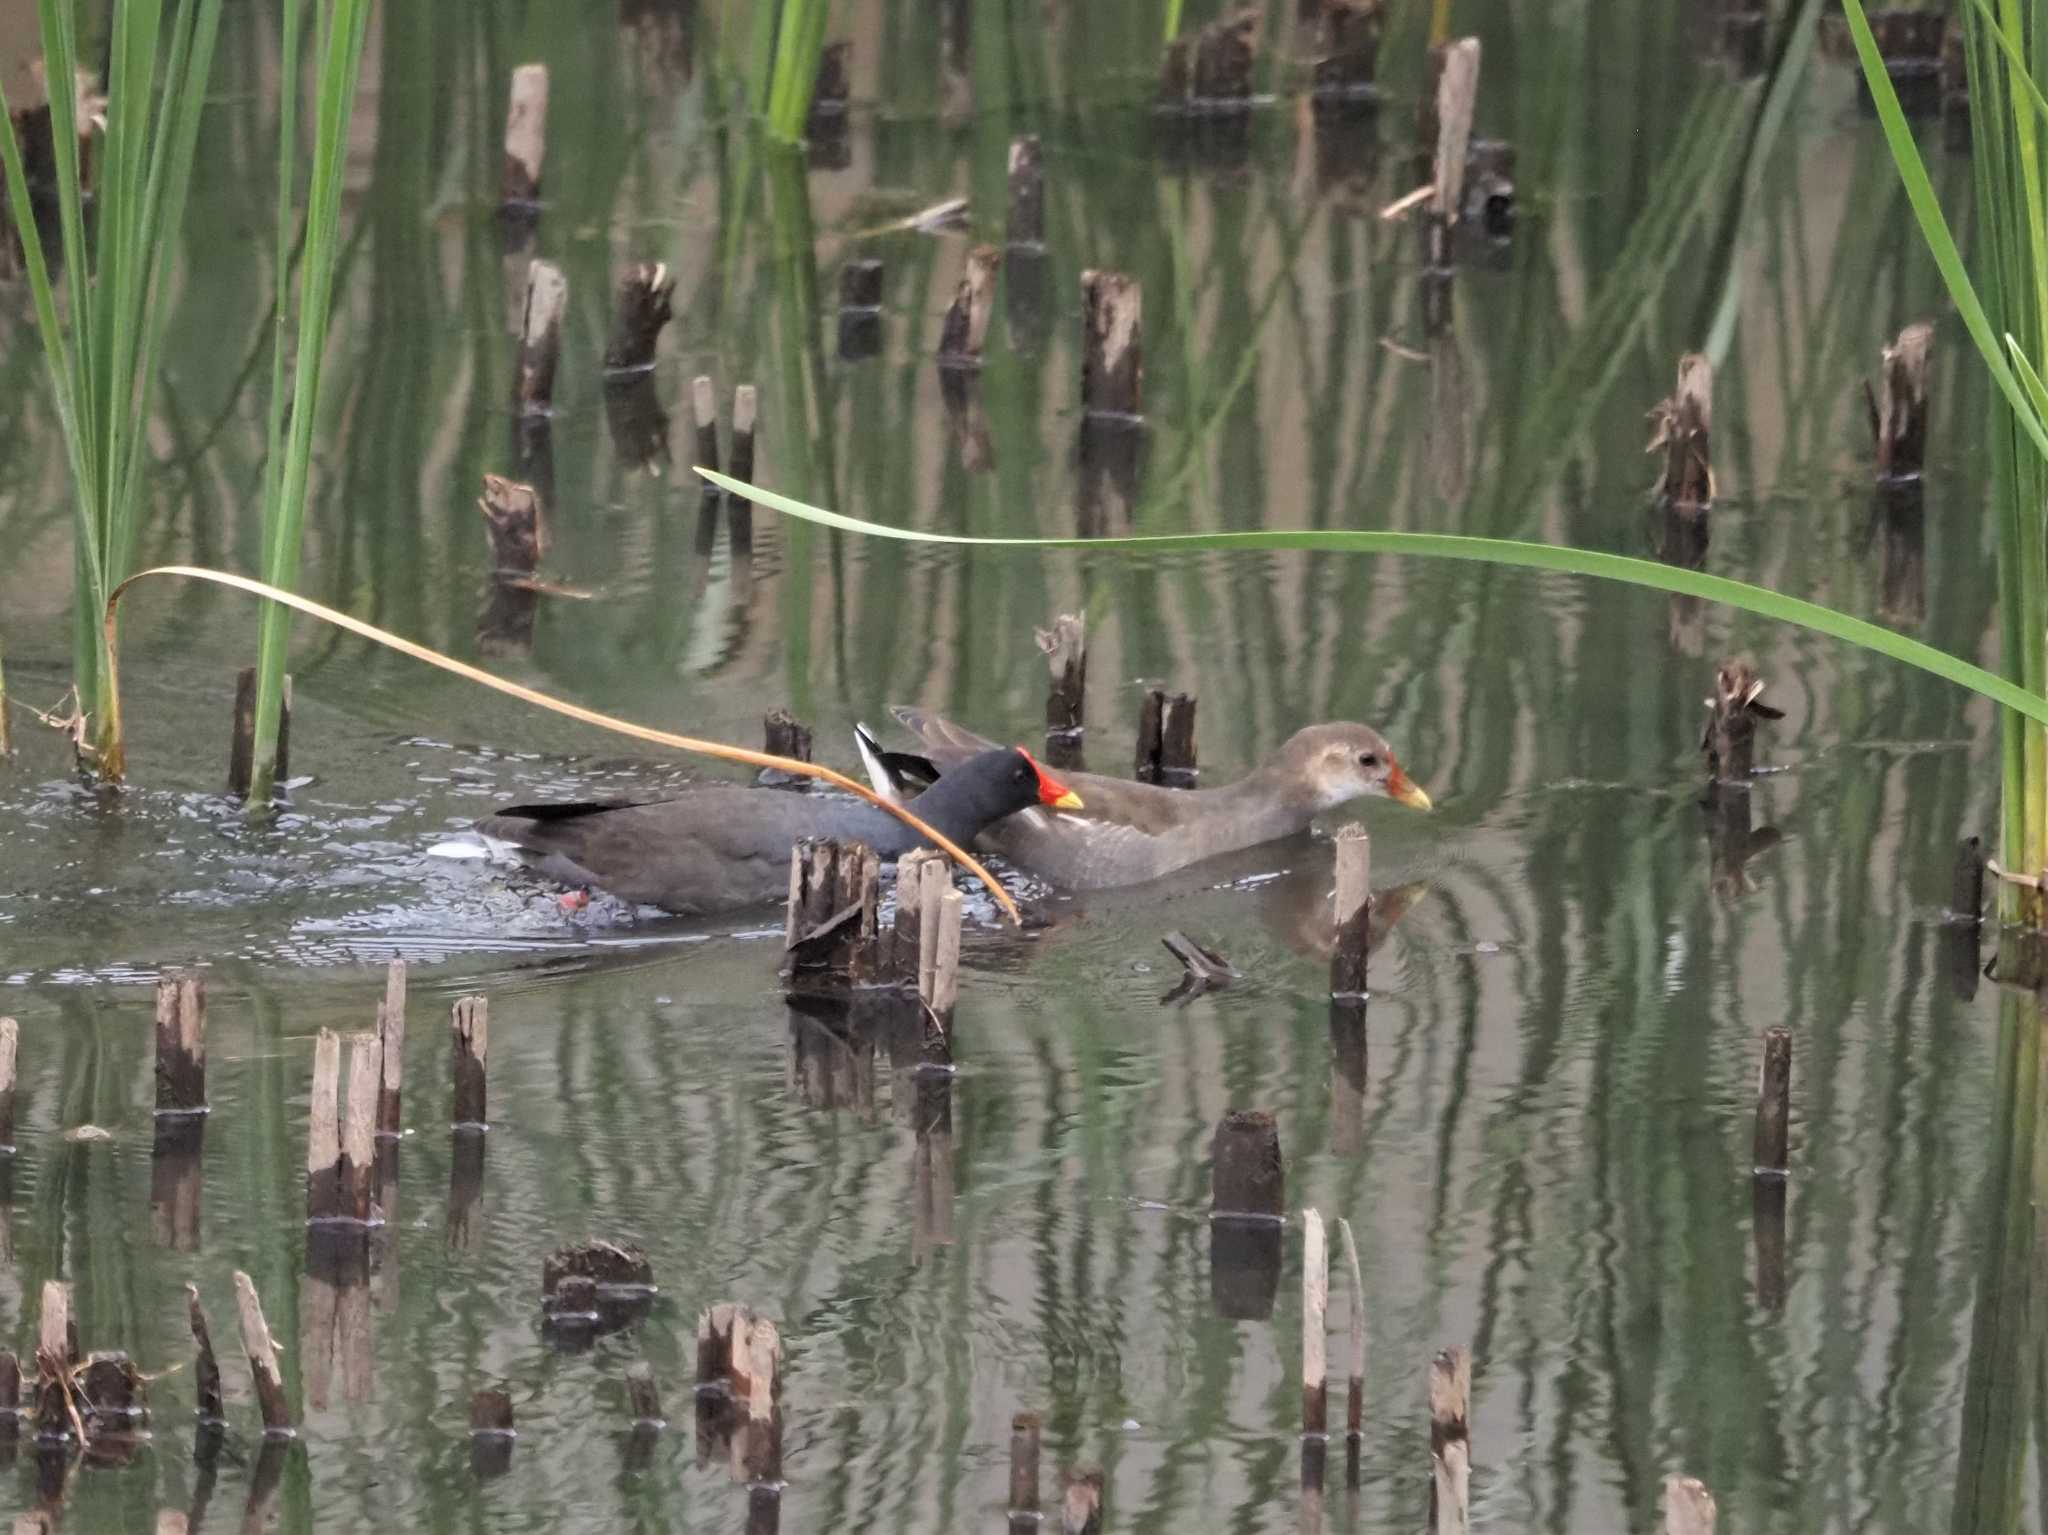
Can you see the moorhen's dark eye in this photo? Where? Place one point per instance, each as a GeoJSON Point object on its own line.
{"type": "Point", "coordinates": [1368, 760]}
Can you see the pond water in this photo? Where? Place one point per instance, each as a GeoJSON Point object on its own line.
{"type": "Point", "coordinates": [1548, 1155]}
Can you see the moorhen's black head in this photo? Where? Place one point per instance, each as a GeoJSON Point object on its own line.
{"type": "Point", "coordinates": [993, 784]}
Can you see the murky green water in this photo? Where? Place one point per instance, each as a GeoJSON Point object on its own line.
{"type": "Point", "coordinates": [1550, 1156]}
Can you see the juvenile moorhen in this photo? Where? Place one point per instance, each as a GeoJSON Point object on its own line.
{"type": "Point", "coordinates": [725, 847]}
{"type": "Point", "coordinates": [1132, 832]}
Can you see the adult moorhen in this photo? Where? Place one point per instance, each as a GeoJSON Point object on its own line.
{"type": "Point", "coordinates": [726, 847]}
{"type": "Point", "coordinates": [1132, 832]}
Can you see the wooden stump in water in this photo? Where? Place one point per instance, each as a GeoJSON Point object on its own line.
{"type": "Point", "coordinates": [491, 1434]}
{"type": "Point", "coordinates": [1774, 1105]}
{"type": "Point", "coordinates": [1898, 406]}
{"type": "Point", "coordinates": [515, 523]}
{"type": "Point", "coordinates": [540, 339]}
{"type": "Point", "coordinates": [1166, 739]}
{"type": "Point", "coordinates": [359, 1129]}
{"type": "Point", "coordinates": [526, 135]}
{"type": "Point", "coordinates": [56, 1358]}
{"type": "Point", "coordinates": [1680, 428]}
{"type": "Point", "coordinates": [1735, 710]}
{"type": "Point", "coordinates": [1450, 1441]}
{"type": "Point", "coordinates": [1688, 1506]}
{"type": "Point", "coordinates": [10, 1038]}
{"type": "Point", "coordinates": [1112, 345]}
{"type": "Point", "coordinates": [1025, 1428]}
{"type": "Point", "coordinates": [783, 735]}
{"type": "Point", "coordinates": [739, 512]}
{"type": "Point", "coordinates": [1212, 71]}
{"type": "Point", "coordinates": [1456, 97]}
{"type": "Point", "coordinates": [1026, 225]}
{"type": "Point", "coordinates": [1354, 1395]}
{"type": "Point", "coordinates": [206, 1369]}
{"type": "Point", "coordinates": [242, 743]}
{"type": "Point", "coordinates": [469, 1046]}
{"type": "Point", "coordinates": [637, 422]}
{"type": "Point", "coordinates": [966, 325]}
{"type": "Point", "coordinates": [1248, 1199]}
{"type": "Point", "coordinates": [181, 1109]}
{"type": "Point", "coordinates": [1315, 1305]}
{"type": "Point", "coordinates": [1351, 911]}
{"type": "Point", "coordinates": [1349, 50]}
{"type": "Point", "coordinates": [704, 412]}
{"type": "Point", "coordinates": [643, 309]}
{"type": "Point", "coordinates": [829, 925]}
{"type": "Point", "coordinates": [921, 877]}
{"type": "Point", "coordinates": [324, 1194]}
{"type": "Point", "coordinates": [1065, 648]}
{"type": "Point", "coordinates": [1966, 886]}
{"type": "Point", "coordinates": [391, 1051]}
{"type": "Point", "coordinates": [644, 1402]}
{"type": "Point", "coordinates": [262, 1352]}
{"type": "Point", "coordinates": [860, 310]}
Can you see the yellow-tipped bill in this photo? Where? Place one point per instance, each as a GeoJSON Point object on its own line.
{"type": "Point", "coordinates": [1072, 801]}
{"type": "Point", "coordinates": [1404, 790]}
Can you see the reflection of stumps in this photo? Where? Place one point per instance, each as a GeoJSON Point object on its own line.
{"type": "Point", "coordinates": [1352, 912]}
{"type": "Point", "coordinates": [1688, 1506]}
{"type": "Point", "coordinates": [637, 421]}
{"type": "Point", "coordinates": [966, 324]}
{"type": "Point", "coordinates": [1450, 1441]}
{"type": "Point", "coordinates": [643, 309]}
{"type": "Point", "coordinates": [469, 1040]}
{"type": "Point", "coordinates": [860, 310]}
{"type": "Point", "coordinates": [491, 1434]}
{"type": "Point", "coordinates": [540, 339]}
{"type": "Point", "coordinates": [1347, 1073]}
{"type": "Point", "coordinates": [391, 1050]}
{"type": "Point", "coordinates": [829, 925]}
{"type": "Point", "coordinates": [262, 1352]}
{"type": "Point", "coordinates": [1966, 886]}
{"type": "Point", "coordinates": [323, 1131]}
{"type": "Point", "coordinates": [1112, 338]}
{"type": "Point", "coordinates": [1166, 739]}
{"type": "Point", "coordinates": [1081, 1503]}
{"type": "Point", "coordinates": [242, 744]}
{"type": "Point", "coordinates": [1065, 648]}
{"type": "Point", "coordinates": [1024, 1435]}
{"type": "Point", "coordinates": [1248, 1197]}
{"type": "Point", "coordinates": [966, 417]}
{"type": "Point", "coordinates": [1735, 709]}
{"type": "Point", "coordinates": [1354, 1392]}
{"type": "Point", "coordinates": [206, 1369]}
{"type": "Point", "coordinates": [1774, 1105]}
{"type": "Point", "coordinates": [1680, 428]}
{"type": "Point", "coordinates": [1457, 95]}
{"type": "Point", "coordinates": [643, 1401]}
{"type": "Point", "coordinates": [1898, 406]}
{"type": "Point", "coordinates": [1026, 226]}
{"type": "Point", "coordinates": [1767, 1217]}
{"type": "Point", "coordinates": [828, 145]}
{"type": "Point", "coordinates": [1315, 1305]}
{"type": "Point", "coordinates": [526, 135]}
{"type": "Point", "coordinates": [1349, 50]}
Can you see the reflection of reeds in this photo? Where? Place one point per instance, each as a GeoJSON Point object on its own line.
{"type": "Point", "coordinates": [102, 356]}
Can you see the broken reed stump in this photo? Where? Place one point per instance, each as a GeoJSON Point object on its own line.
{"type": "Point", "coordinates": [324, 1197]}
{"type": "Point", "coordinates": [180, 1047]}
{"type": "Point", "coordinates": [1166, 739]}
{"type": "Point", "coordinates": [526, 136]}
{"type": "Point", "coordinates": [515, 525]}
{"type": "Point", "coordinates": [540, 339]}
{"type": "Point", "coordinates": [491, 1433]}
{"type": "Point", "coordinates": [1212, 71]}
{"type": "Point", "coordinates": [359, 1130]}
{"type": "Point", "coordinates": [391, 1051]}
{"type": "Point", "coordinates": [1247, 1208]}
{"type": "Point", "coordinates": [1735, 709]}
{"type": "Point", "coordinates": [592, 1288]}
{"type": "Point", "coordinates": [10, 1040]}
{"type": "Point", "coordinates": [469, 1046]}
{"type": "Point", "coordinates": [829, 925]}
{"type": "Point", "coordinates": [262, 1351]}
{"type": "Point", "coordinates": [1680, 428]}
{"type": "Point", "coordinates": [1688, 1506]}
{"type": "Point", "coordinates": [643, 309]}
{"type": "Point", "coordinates": [1112, 345]}
{"type": "Point", "coordinates": [739, 511]}
{"type": "Point", "coordinates": [1348, 53]}
{"type": "Point", "coordinates": [1774, 1105]}
{"type": "Point", "coordinates": [860, 310]}
{"type": "Point", "coordinates": [112, 1404]}
{"type": "Point", "coordinates": [1065, 648]}
{"type": "Point", "coordinates": [783, 735]}
{"type": "Point", "coordinates": [966, 325]}
{"type": "Point", "coordinates": [1898, 406]}
{"type": "Point", "coordinates": [1315, 1305]}
{"type": "Point", "coordinates": [1351, 910]}
{"type": "Point", "coordinates": [1354, 1392]}
{"type": "Point", "coordinates": [1081, 1502]}
{"type": "Point", "coordinates": [1450, 1441]}
{"type": "Point", "coordinates": [56, 1359]}
{"type": "Point", "coordinates": [207, 1405]}
{"type": "Point", "coordinates": [1456, 98]}
{"type": "Point", "coordinates": [1025, 1429]}
{"type": "Point", "coordinates": [739, 1386]}
{"type": "Point", "coordinates": [242, 743]}
{"type": "Point", "coordinates": [1025, 227]}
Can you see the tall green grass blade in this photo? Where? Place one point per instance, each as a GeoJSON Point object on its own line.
{"type": "Point", "coordinates": [1507, 552]}
{"type": "Point", "coordinates": [2036, 393]}
{"type": "Point", "coordinates": [1173, 10]}
{"type": "Point", "coordinates": [341, 54]}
